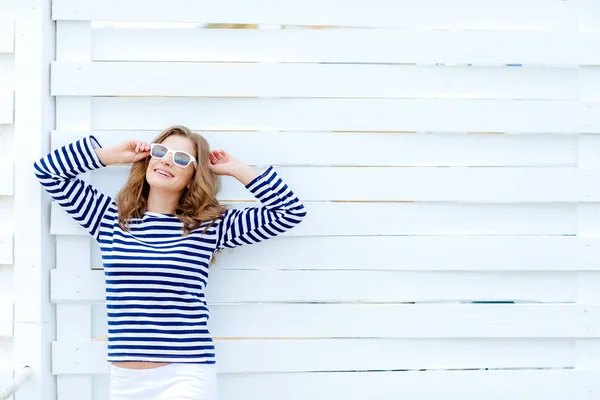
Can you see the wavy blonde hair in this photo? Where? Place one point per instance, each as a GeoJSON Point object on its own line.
{"type": "Point", "coordinates": [197, 204]}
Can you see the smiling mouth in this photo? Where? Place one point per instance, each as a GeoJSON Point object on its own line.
{"type": "Point", "coordinates": [164, 173]}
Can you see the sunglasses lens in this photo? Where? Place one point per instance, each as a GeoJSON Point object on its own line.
{"type": "Point", "coordinates": [159, 151]}
{"type": "Point", "coordinates": [181, 159]}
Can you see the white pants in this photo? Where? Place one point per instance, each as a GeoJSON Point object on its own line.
{"type": "Point", "coordinates": [176, 381]}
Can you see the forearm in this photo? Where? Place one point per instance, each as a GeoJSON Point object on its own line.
{"type": "Point", "coordinates": [58, 173]}
{"type": "Point", "coordinates": [107, 155]}
{"type": "Point", "coordinates": [65, 163]}
{"type": "Point", "coordinates": [244, 173]}
{"type": "Point", "coordinates": [280, 210]}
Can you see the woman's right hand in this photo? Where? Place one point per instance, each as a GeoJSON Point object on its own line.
{"type": "Point", "coordinates": [127, 152]}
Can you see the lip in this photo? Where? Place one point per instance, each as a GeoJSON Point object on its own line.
{"type": "Point", "coordinates": [165, 171]}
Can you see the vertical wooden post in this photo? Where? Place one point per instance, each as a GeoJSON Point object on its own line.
{"type": "Point", "coordinates": [33, 246]}
{"type": "Point", "coordinates": [588, 283]}
{"type": "Point", "coordinates": [74, 321]}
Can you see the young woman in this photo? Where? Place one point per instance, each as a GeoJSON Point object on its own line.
{"type": "Point", "coordinates": [157, 239]}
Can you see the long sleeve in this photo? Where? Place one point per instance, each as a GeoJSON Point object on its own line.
{"type": "Point", "coordinates": [280, 211]}
{"type": "Point", "coordinates": [57, 173]}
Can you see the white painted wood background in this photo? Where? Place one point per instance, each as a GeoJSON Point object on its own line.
{"type": "Point", "coordinates": [448, 154]}
{"type": "Point", "coordinates": [7, 25]}
{"type": "Point", "coordinates": [27, 317]}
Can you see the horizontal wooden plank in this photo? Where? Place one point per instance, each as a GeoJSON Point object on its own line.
{"type": "Point", "coordinates": [90, 287]}
{"type": "Point", "coordinates": [398, 218]}
{"type": "Point", "coordinates": [6, 176]}
{"type": "Point", "coordinates": [229, 286]}
{"type": "Point", "coordinates": [525, 14]}
{"type": "Point", "coordinates": [418, 253]}
{"type": "Point", "coordinates": [6, 107]}
{"type": "Point", "coordinates": [6, 350]}
{"type": "Point", "coordinates": [243, 356]}
{"type": "Point", "coordinates": [526, 116]}
{"type": "Point", "coordinates": [391, 149]}
{"type": "Point", "coordinates": [6, 229]}
{"type": "Point", "coordinates": [260, 356]}
{"type": "Point", "coordinates": [6, 245]}
{"type": "Point", "coordinates": [475, 185]}
{"type": "Point", "coordinates": [6, 317]}
{"type": "Point", "coordinates": [589, 86]}
{"type": "Point", "coordinates": [7, 71]}
{"type": "Point", "coordinates": [589, 20]}
{"type": "Point", "coordinates": [414, 385]}
{"type": "Point", "coordinates": [7, 34]}
{"type": "Point", "coordinates": [6, 293]}
{"type": "Point", "coordinates": [416, 321]}
{"type": "Point", "coordinates": [429, 385]}
{"type": "Point", "coordinates": [233, 286]}
{"type": "Point", "coordinates": [315, 80]}
{"type": "Point", "coordinates": [408, 321]}
{"type": "Point", "coordinates": [482, 47]}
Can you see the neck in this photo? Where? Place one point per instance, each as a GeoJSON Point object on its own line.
{"type": "Point", "coordinates": [162, 202]}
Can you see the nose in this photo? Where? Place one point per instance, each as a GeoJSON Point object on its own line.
{"type": "Point", "coordinates": [168, 159]}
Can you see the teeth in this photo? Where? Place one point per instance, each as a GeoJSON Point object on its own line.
{"type": "Point", "coordinates": [163, 173]}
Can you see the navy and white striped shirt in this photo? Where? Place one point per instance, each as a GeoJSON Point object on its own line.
{"type": "Point", "coordinates": [155, 276]}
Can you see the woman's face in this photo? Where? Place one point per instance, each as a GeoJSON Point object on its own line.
{"type": "Point", "coordinates": [164, 174]}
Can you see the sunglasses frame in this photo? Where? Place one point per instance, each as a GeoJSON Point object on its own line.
{"type": "Point", "coordinates": [173, 152]}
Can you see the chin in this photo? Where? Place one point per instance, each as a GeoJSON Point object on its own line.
{"type": "Point", "coordinates": [160, 183]}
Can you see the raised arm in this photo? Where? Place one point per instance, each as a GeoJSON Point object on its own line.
{"type": "Point", "coordinates": [280, 211]}
{"type": "Point", "coordinates": [57, 173]}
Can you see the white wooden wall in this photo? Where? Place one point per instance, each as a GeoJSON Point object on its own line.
{"type": "Point", "coordinates": [449, 157]}
{"type": "Point", "coordinates": [27, 320]}
{"type": "Point", "coordinates": [7, 25]}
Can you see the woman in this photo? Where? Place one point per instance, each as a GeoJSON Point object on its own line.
{"type": "Point", "coordinates": [157, 239]}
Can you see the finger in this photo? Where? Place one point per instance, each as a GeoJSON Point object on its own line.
{"type": "Point", "coordinates": [140, 156]}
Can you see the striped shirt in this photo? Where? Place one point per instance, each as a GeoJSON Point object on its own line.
{"type": "Point", "coordinates": [155, 276]}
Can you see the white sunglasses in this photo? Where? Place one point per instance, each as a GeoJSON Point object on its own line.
{"type": "Point", "coordinates": [180, 158]}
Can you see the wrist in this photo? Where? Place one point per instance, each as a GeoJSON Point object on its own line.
{"type": "Point", "coordinates": [243, 173]}
{"type": "Point", "coordinates": [106, 155]}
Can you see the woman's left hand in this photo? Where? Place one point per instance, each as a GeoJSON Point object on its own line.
{"type": "Point", "coordinates": [223, 163]}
